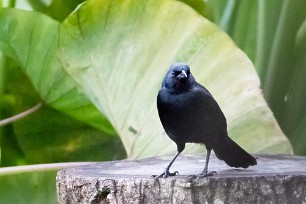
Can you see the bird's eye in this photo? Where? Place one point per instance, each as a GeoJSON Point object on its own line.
{"type": "Point", "coordinates": [175, 73]}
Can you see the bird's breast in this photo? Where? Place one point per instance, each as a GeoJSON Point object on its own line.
{"type": "Point", "coordinates": [184, 116]}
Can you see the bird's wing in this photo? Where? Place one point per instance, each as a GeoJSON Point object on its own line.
{"type": "Point", "coordinates": [210, 107]}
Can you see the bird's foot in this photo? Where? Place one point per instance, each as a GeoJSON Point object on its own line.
{"type": "Point", "coordinates": [206, 174]}
{"type": "Point", "coordinates": [193, 178]}
{"type": "Point", "coordinates": [165, 174]}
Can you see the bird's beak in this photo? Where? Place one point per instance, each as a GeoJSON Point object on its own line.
{"type": "Point", "coordinates": [182, 75]}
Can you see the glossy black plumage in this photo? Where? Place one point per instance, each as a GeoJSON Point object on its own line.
{"type": "Point", "coordinates": [189, 114]}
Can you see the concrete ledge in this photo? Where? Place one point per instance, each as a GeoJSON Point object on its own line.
{"type": "Point", "coordinates": [276, 179]}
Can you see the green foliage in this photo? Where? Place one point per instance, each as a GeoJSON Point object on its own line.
{"type": "Point", "coordinates": [273, 35]}
{"type": "Point", "coordinates": [33, 51]}
{"type": "Point", "coordinates": [59, 137]}
{"type": "Point", "coordinates": [58, 9]}
{"type": "Point", "coordinates": [27, 188]}
{"type": "Point", "coordinates": [30, 184]}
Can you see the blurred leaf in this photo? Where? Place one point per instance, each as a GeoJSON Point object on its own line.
{"type": "Point", "coordinates": [216, 9]}
{"type": "Point", "coordinates": [198, 5]}
{"type": "Point", "coordinates": [294, 114]}
{"type": "Point", "coordinates": [243, 27]}
{"type": "Point", "coordinates": [226, 16]}
{"type": "Point", "coordinates": [11, 153]}
{"type": "Point", "coordinates": [282, 53]}
{"type": "Point", "coordinates": [55, 136]}
{"type": "Point", "coordinates": [38, 56]}
{"type": "Point", "coordinates": [298, 136]}
{"type": "Point", "coordinates": [268, 13]}
{"type": "Point", "coordinates": [58, 9]}
{"type": "Point", "coordinates": [61, 139]}
{"type": "Point", "coordinates": [238, 19]}
{"type": "Point", "coordinates": [111, 44]}
{"type": "Point", "coordinates": [30, 184]}
{"type": "Point", "coordinates": [38, 5]}
{"type": "Point", "coordinates": [272, 35]}
{"type": "Point", "coordinates": [18, 188]}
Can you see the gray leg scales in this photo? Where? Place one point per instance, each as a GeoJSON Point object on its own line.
{"type": "Point", "coordinates": [166, 172]}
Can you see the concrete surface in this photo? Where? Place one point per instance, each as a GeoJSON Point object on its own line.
{"type": "Point", "coordinates": [275, 179]}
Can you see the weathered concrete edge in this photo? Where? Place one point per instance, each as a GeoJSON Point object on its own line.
{"type": "Point", "coordinates": [246, 189]}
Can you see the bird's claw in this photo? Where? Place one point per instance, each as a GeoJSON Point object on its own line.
{"type": "Point", "coordinates": [165, 174]}
{"type": "Point", "coordinates": [204, 174]}
{"type": "Point", "coordinates": [171, 174]}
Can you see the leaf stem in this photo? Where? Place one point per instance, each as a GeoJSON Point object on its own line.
{"type": "Point", "coordinates": [21, 115]}
{"type": "Point", "coordinates": [40, 167]}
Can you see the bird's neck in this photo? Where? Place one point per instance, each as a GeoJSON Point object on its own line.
{"type": "Point", "coordinates": [181, 87]}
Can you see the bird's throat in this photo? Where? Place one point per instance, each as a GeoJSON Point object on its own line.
{"type": "Point", "coordinates": [181, 85]}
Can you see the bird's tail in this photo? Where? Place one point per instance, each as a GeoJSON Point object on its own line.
{"type": "Point", "coordinates": [233, 154]}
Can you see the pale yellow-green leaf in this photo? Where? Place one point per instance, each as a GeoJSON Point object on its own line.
{"type": "Point", "coordinates": [118, 52]}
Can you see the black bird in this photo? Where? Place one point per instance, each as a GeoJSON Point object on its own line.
{"type": "Point", "coordinates": [190, 114]}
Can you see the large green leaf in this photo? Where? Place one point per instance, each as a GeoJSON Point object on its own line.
{"type": "Point", "coordinates": [57, 9]}
{"type": "Point", "coordinates": [46, 135]}
{"type": "Point", "coordinates": [36, 50]}
{"type": "Point", "coordinates": [11, 153]}
{"type": "Point", "coordinates": [118, 51]}
{"type": "Point", "coordinates": [58, 138]}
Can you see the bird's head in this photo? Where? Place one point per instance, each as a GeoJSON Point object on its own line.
{"type": "Point", "coordinates": [178, 78]}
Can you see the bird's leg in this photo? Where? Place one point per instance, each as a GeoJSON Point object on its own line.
{"type": "Point", "coordinates": [166, 172]}
{"type": "Point", "coordinates": [205, 172]}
